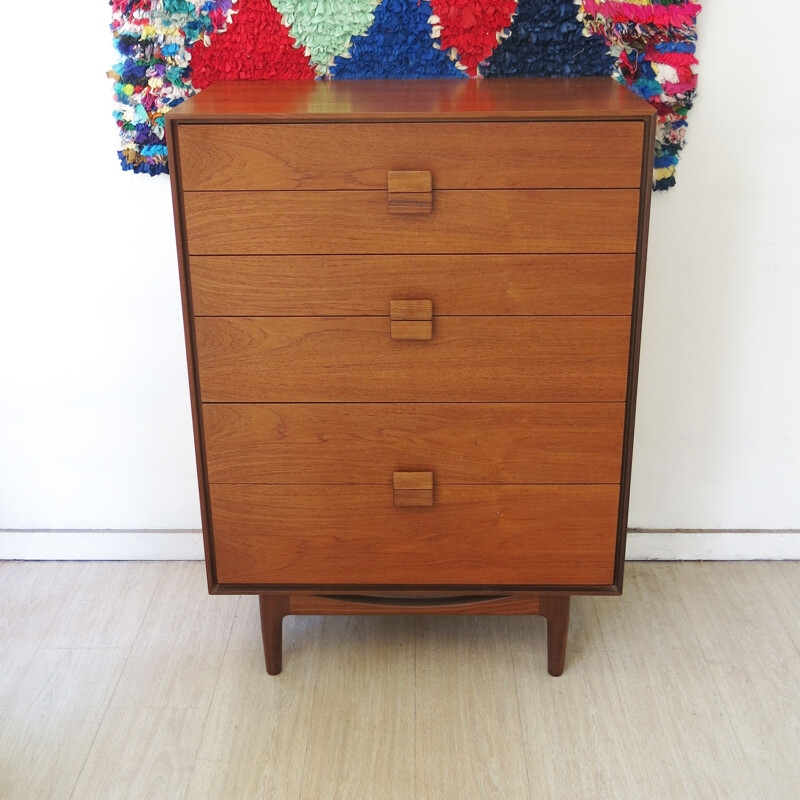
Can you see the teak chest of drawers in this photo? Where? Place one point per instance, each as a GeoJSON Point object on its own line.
{"type": "Point", "coordinates": [412, 314]}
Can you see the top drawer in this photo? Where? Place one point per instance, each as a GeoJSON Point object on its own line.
{"type": "Point", "coordinates": [472, 155]}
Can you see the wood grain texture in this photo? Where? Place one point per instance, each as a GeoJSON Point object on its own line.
{"type": "Point", "coordinates": [142, 752]}
{"type": "Point", "coordinates": [469, 738]}
{"type": "Point", "coordinates": [380, 100]}
{"type": "Point", "coordinates": [666, 688]}
{"type": "Point", "coordinates": [409, 203]}
{"type": "Point", "coordinates": [353, 535]}
{"type": "Point", "coordinates": [48, 727]}
{"type": "Point", "coordinates": [410, 330]}
{"type": "Point", "coordinates": [555, 609]}
{"type": "Point", "coordinates": [577, 742]}
{"type": "Point", "coordinates": [418, 604]}
{"type": "Point", "coordinates": [762, 637]}
{"type": "Point", "coordinates": [410, 309]}
{"type": "Point", "coordinates": [28, 607]}
{"type": "Point", "coordinates": [474, 359]}
{"type": "Point", "coordinates": [538, 155]}
{"type": "Point", "coordinates": [359, 285]}
{"type": "Point", "coordinates": [478, 221]}
{"type": "Point", "coordinates": [361, 742]}
{"type": "Point", "coordinates": [764, 708]}
{"type": "Point", "coordinates": [411, 319]}
{"type": "Point", "coordinates": [174, 663]}
{"type": "Point", "coordinates": [281, 244]}
{"type": "Point", "coordinates": [404, 181]}
{"type": "Point", "coordinates": [412, 480]}
{"type": "Point", "coordinates": [106, 606]}
{"type": "Point", "coordinates": [364, 443]}
{"type": "Point", "coordinates": [256, 734]}
{"type": "Point", "coordinates": [413, 498]}
{"type": "Point", "coordinates": [644, 721]}
{"type": "Point", "coordinates": [273, 608]}
{"type": "Point", "coordinates": [784, 591]}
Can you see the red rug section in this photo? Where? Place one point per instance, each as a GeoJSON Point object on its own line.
{"type": "Point", "coordinates": [471, 27]}
{"type": "Point", "coordinates": [255, 47]}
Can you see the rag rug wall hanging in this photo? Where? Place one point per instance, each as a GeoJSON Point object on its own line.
{"type": "Point", "coordinates": [170, 49]}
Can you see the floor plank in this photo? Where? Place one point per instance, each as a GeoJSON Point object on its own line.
{"type": "Point", "coordinates": [361, 742]}
{"type": "Point", "coordinates": [256, 734]}
{"type": "Point", "coordinates": [468, 730]}
{"type": "Point", "coordinates": [688, 686]}
{"type": "Point", "coordinates": [142, 753]}
{"type": "Point", "coordinates": [656, 629]}
{"type": "Point", "coordinates": [50, 722]}
{"type": "Point", "coordinates": [177, 655]}
{"type": "Point", "coordinates": [764, 708]}
{"type": "Point", "coordinates": [246, 628]}
{"type": "Point", "coordinates": [684, 743]}
{"type": "Point", "coordinates": [781, 582]}
{"type": "Point", "coordinates": [732, 614]}
{"type": "Point", "coordinates": [651, 581]}
{"type": "Point", "coordinates": [574, 748]}
{"type": "Point", "coordinates": [106, 605]}
{"type": "Point", "coordinates": [30, 598]}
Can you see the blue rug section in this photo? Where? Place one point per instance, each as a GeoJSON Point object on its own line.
{"type": "Point", "coordinates": [398, 44]}
{"type": "Point", "coordinates": [547, 40]}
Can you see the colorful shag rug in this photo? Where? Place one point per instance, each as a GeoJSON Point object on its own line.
{"type": "Point", "coordinates": [653, 45]}
{"type": "Point", "coordinates": [170, 49]}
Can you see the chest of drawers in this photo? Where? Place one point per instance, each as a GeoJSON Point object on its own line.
{"type": "Point", "coordinates": [412, 314]}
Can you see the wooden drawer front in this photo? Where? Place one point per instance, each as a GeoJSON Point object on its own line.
{"type": "Point", "coordinates": [521, 221]}
{"type": "Point", "coordinates": [471, 359]}
{"type": "Point", "coordinates": [365, 285]}
{"type": "Point", "coordinates": [462, 443]}
{"type": "Point", "coordinates": [484, 535]}
{"type": "Point", "coordinates": [510, 155]}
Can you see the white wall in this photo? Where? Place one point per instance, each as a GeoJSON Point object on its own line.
{"type": "Point", "coordinates": [718, 421]}
{"type": "Point", "coordinates": [95, 427]}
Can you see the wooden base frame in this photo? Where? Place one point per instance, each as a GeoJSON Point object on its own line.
{"type": "Point", "coordinates": [274, 607]}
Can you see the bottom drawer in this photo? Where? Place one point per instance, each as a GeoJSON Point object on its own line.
{"type": "Point", "coordinates": [472, 535]}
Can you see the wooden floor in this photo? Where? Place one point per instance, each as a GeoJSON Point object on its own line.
{"type": "Point", "coordinates": [126, 680]}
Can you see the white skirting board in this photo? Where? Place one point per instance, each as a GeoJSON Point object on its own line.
{"type": "Point", "coordinates": [711, 545]}
{"type": "Point", "coordinates": [187, 545]}
{"type": "Point", "coordinates": [101, 545]}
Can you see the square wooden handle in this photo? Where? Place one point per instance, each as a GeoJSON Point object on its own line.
{"type": "Point", "coordinates": [411, 319]}
{"type": "Point", "coordinates": [410, 192]}
{"type": "Point", "coordinates": [412, 489]}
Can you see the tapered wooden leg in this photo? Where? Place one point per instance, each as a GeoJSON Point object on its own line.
{"type": "Point", "coordinates": [555, 609]}
{"type": "Point", "coordinates": [273, 607]}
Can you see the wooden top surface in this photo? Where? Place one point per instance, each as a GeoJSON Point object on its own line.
{"type": "Point", "coordinates": [412, 100]}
